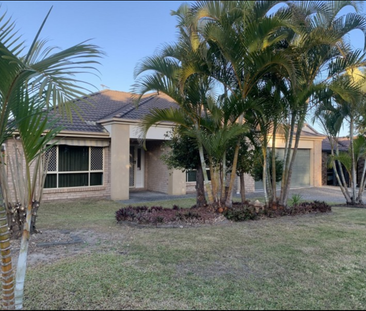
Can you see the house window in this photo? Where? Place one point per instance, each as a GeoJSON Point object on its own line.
{"type": "Point", "coordinates": [74, 166]}
{"type": "Point", "coordinates": [191, 175]}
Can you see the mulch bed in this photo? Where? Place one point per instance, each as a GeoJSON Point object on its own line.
{"type": "Point", "coordinates": [352, 205]}
{"type": "Point", "coordinates": [182, 217]}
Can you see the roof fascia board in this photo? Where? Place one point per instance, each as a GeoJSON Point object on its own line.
{"type": "Point", "coordinates": [131, 122]}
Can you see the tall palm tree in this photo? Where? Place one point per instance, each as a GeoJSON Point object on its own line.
{"type": "Point", "coordinates": [319, 49]}
{"type": "Point", "coordinates": [243, 40]}
{"type": "Point", "coordinates": [343, 102]}
{"type": "Point", "coordinates": [31, 83]}
{"type": "Point", "coordinates": [170, 73]}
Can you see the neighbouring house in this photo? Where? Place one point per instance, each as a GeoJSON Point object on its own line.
{"type": "Point", "coordinates": [328, 175]}
{"type": "Point", "coordinates": [100, 155]}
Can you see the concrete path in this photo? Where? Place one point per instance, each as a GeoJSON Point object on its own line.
{"type": "Point", "coordinates": [325, 193]}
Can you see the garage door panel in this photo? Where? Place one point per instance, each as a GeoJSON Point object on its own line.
{"type": "Point", "coordinates": [300, 171]}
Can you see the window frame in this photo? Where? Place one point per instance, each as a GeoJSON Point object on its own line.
{"type": "Point", "coordinates": [90, 171]}
{"type": "Point", "coordinates": [194, 181]}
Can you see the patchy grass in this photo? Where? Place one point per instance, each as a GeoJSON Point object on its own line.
{"type": "Point", "coordinates": [300, 262]}
{"type": "Point", "coordinates": [90, 214]}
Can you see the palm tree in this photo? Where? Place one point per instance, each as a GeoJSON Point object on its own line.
{"type": "Point", "coordinates": [318, 42]}
{"type": "Point", "coordinates": [243, 39]}
{"type": "Point", "coordinates": [30, 85]}
{"type": "Point", "coordinates": [171, 75]}
{"type": "Point", "coordinates": [343, 102]}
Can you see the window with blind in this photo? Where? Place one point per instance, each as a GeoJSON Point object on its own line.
{"type": "Point", "coordinates": [74, 166]}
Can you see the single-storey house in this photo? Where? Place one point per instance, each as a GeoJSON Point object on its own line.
{"type": "Point", "coordinates": [328, 175]}
{"type": "Point", "coordinates": [100, 155]}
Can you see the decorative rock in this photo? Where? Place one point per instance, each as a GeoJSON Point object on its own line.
{"type": "Point", "coordinates": [257, 203]}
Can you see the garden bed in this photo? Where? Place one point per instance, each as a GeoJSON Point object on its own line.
{"type": "Point", "coordinates": [194, 216]}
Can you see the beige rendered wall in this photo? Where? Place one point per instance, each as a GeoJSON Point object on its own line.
{"type": "Point", "coordinates": [157, 176]}
{"type": "Point", "coordinates": [120, 161]}
{"type": "Point", "coordinates": [176, 182]}
{"type": "Point", "coordinates": [317, 163]}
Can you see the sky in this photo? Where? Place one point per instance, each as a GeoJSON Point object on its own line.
{"type": "Point", "coordinates": [127, 32]}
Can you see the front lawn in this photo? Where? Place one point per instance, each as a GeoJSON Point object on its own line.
{"type": "Point", "coordinates": [292, 262]}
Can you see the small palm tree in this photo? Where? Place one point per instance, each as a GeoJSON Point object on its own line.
{"type": "Point", "coordinates": [30, 85]}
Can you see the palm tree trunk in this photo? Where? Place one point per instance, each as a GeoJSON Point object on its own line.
{"type": "Point", "coordinates": [200, 188]}
{"type": "Point", "coordinates": [223, 180]}
{"type": "Point", "coordinates": [274, 185]}
{"type": "Point", "coordinates": [362, 184]}
{"type": "Point", "coordinates": [207, 183]}
{"type": "Point", "coordinates": [242, 187]}
{"type": "Point", "coordinates": [7, 272]}
{"type": "Point", "coordinates": [343, 187]}
{"type": "Point", "coordinates": [23, 252]}
{"type": "Point", "coordinates": [264, 178]}
{"type": "Point", "coordinates": [286, 163]}
{"type": "Point", "coordinates": [342, 180]}
{"type": "Point", "coordinates": [341, 183]}
{"type": "Point", "coordinates": [214, 182]}
{"type": "Point", "coordinates": [7, 275]}
{"type": "Point", "coordinates": [289, 170]}
{"type": "Point", "coordinates": [354, 164]}
{"type": "Point", "coordinates": [22, 261]}
{"type": "Point", "coordinates": [229, 197]}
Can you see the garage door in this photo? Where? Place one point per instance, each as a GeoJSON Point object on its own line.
{"type": "Point", "coordinates": [300, 171]}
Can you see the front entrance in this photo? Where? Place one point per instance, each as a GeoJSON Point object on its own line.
{"type": "Point", "coordinates": [137, 167]}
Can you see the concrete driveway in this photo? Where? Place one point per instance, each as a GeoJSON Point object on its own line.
{"type": "Point", "coordinates": [325, 193]}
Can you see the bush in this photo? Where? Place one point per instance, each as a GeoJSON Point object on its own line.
{"type": "Point", "coordinates": [158, 214]}
{"type": "Point", "coordinates": [241, 212]}
{"type": "Point", "coordinates": [248, 211]}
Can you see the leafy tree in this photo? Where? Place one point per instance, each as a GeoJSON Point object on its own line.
{"type": "Point", "coordinates": [257, 171]}
{"type": "Point", "coordinates": [181, 152]}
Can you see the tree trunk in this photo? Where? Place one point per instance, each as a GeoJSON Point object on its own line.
{"type": "Point", "coordinates": [362, 184]}
{"type": "Point", "coordinates": [292, 154]}
{"type": "Point", "coordinates": [223, 181]}
{"type": "Point", "coordinates": [274, 185]}
{"type": "Point", "coordinates": [207, 183]}
{"type": "Point", "coordinates": [286, 162]}
{"type": "Point", "coordinates": [200, 188]}
{"type": "Point", "coordinates": [7, 275]}
{"type": "Point", "coordinates": [242, 187]}
{"type": "Point", "coordinates": [264, 175]}
{"type": "Point", "coordinates": [229, 198]}
{"type": "Point", "coordinates": [354, 164]}
{"type": "Point", "coordinates": [22, 261]}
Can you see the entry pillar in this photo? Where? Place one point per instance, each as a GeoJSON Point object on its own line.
{"type": "Point", "coordinates": [120, 161]}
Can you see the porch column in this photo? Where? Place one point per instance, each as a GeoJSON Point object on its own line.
{"type": "Point", "coordinates": [317, 164]}
{"type": "Point", "coordinates": [120, 161]}
{"type": "Point", "coordinates": [177, 182]}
